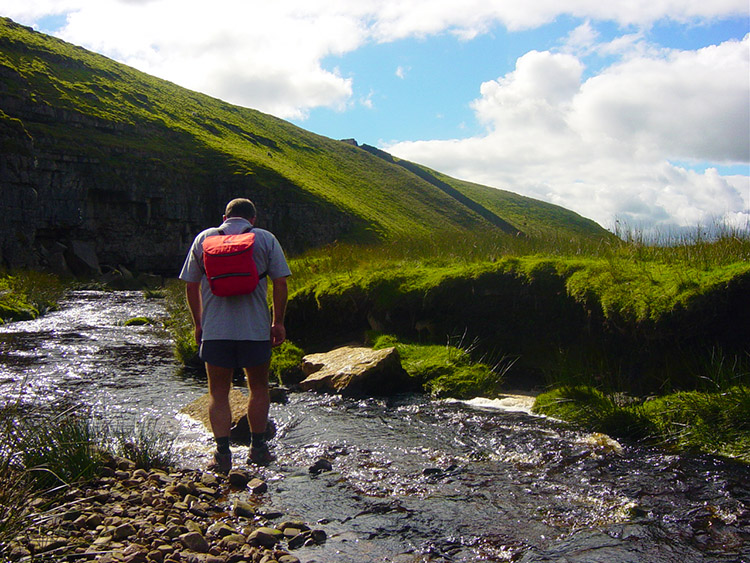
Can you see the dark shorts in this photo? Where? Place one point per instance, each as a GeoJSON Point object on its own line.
{"type": "Point", "coordinates": [235, 353]}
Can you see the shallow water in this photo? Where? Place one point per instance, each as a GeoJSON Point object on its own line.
{"type": "Point", "coordinates": [412, 479]}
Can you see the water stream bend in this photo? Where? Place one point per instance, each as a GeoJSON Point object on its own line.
{"type": "Point", "coordinates": [412, 479]}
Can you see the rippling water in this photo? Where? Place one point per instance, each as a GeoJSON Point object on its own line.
{"type": "Point", "coordinates": [412, 479]}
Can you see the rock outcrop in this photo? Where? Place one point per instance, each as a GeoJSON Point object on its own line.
{"type": "Point", "coordinates": [355, 371]}
{"type": "Point", "coordinates": [75, 208]}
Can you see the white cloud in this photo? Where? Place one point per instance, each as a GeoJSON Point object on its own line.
{"type": "Point", "coordinates": [268, 55]}
{"type": "Point", "coordinates": [600, 145]}
{"type": "Point", "coordinates": [603, 147]}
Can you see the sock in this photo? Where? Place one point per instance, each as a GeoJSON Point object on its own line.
{"type": "Point", "coordinates": [258, 440]}
{"type": "Point", "coordinates": [222, 445]}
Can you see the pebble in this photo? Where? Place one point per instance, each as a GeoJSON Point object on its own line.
{"type": "Point", "coordinates": [130, 515]}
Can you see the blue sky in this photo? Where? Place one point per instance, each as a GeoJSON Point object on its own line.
{"type": "Point", "coordinates": [421, 88]}
{"type": "Point", "coordinates": [636, 111]}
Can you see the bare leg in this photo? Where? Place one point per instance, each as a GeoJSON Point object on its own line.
{"type": "Point", "coordinates": [219, 411]}
{"type": "Point", "coordinates": [258, 402]}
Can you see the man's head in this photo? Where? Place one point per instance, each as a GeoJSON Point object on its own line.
{"type": "Point", "coordinates": [240, 207]}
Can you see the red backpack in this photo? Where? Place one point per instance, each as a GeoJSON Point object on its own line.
{"type": "Point", "coordinates": [229, 265]}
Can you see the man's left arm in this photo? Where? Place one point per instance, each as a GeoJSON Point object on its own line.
{"type": "Point", "coordinates": [280, 295]}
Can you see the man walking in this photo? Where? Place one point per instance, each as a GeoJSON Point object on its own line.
{"type": "Point", "coordinates": [238, 331]}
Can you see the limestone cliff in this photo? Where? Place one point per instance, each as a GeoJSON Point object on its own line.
{"type": "Point", "coordinates": [67, 194]}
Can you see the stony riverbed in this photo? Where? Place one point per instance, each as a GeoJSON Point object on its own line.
{"type": "Point", "coordinates": [179, 516]}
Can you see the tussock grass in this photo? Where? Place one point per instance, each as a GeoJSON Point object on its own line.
{"type": "Point", "coordinates": [26, 294]}
{"type": "Point", "coordinates": [47, 449]}
{"type": "Point", "coordinates": [716, 423]}
{"type": "Point", "coordinates": [58, 448]}
{"type": "Point", "coordinates": [142, 442]}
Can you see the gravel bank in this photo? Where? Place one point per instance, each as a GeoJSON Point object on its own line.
{"type": "Point", "coordinates": [178, 516]}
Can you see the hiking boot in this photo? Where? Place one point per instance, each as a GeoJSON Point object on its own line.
{"type": "Point", "coordinates": [260, 456]}
{"type": "Point", "coordinates": [222, 463]}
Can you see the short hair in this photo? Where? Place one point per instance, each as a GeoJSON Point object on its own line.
{"type": "Point", "coordinates": [241, 207]}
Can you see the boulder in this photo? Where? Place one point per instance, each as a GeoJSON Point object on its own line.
{"type": "Point", "coordinates": [198, 410]}
{"type": "Point", "coordinates": [82, 259]}
{"type": "Point", "coordinates": [355, 371]}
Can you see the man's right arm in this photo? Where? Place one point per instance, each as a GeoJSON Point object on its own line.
{"type": "Point", "coordinates": [195, 304]}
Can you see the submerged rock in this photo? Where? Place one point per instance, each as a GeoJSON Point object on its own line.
{"type": "Point", "coordinates": [240, 430]}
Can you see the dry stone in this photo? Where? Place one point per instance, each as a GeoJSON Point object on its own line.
{"type": "Point", "coordinates": [194, 541]}
{"type": "Point", "coordinates": [355, 371]}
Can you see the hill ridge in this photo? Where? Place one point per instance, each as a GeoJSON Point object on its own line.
{"type": "Point", "coordinates": [93, 147]}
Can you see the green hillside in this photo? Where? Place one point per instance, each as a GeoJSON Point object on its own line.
{"type": "Point", "coordinates": [157, 119]}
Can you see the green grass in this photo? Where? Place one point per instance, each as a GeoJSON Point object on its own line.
{"type": "Point", "coordinates": [180, 324]}
{"type": "Point", "coordinates": [716, 423]}
{"type": "Point", "coordinates": [27, 294]}
{"type": "Point", "coordinates": [138, 321]}
{"type": "Point", "coordinates": [285, 363]}
{"type": "Point", "coordinates": [446, 370]}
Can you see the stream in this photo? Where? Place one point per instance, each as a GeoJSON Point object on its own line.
{"type": "Point", "coordinates": [413, 479]}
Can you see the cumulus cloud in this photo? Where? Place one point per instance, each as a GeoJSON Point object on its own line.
{"type": "Point", "coordinates": [618, 143]}
{"type": "Point", "coordinates": [267, 55]}
{"type": "Point", "coordinates": [605, 146]}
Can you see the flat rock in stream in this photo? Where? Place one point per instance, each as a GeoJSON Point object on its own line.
{"type": "Point", "coordinates": [240, 431]}
{"type": "Point", "coordinates": [356, 371]}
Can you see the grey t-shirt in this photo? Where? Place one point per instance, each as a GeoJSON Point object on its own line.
{"type": "Point", "coordinates": [240, 317]}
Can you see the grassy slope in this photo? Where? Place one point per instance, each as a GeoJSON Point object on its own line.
{"type": "Point", "coordinates": [528, 215]}
{"type": "Point", "coordinates": [156, 117]}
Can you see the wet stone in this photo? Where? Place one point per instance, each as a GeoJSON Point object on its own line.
{"type": "Point", "coordinates": [194, 541]}
{"type": "Point", "coordinates": [257, 486]}
{"type": "Point", "coordinates": [239, 478]}
{"type": "Point", "coordinates": [242, 508]}
{"type": "Point", "coordinates": [320, 466]}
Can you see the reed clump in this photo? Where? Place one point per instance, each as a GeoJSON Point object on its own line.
{"type": "Point", "coordinates": [49, 449]}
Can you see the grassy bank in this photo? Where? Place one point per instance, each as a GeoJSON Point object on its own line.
{"type": "Point", "coordinates": [634, 318]}
{"type": "Point", "coordinates": [716, 422]}
{"type": "Point", "coordinates": [624, 315]}
{"type": "Point", "coordinates": [27, 294]}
